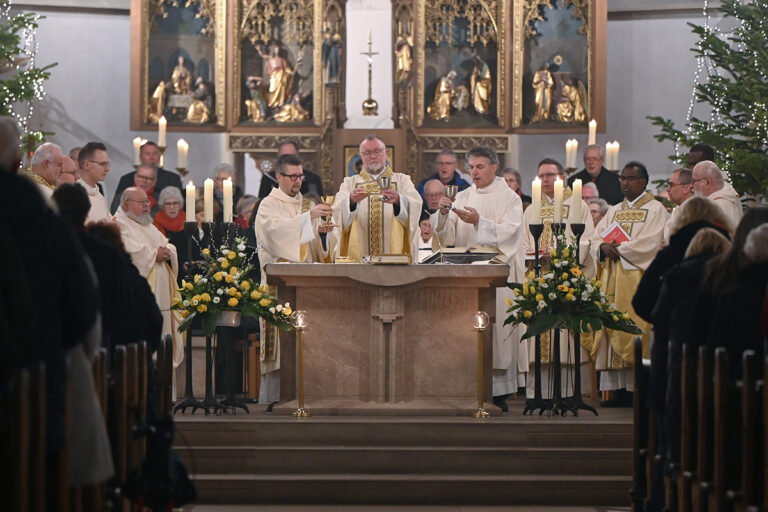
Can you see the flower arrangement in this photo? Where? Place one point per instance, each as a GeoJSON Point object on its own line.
{"type": "Point", "coordinates": [563, 296]}
{"type": "Point", "coordinates": [224, 285]}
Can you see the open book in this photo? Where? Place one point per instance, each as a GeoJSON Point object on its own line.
{"type": "Point", "coordinates": [615, 233]}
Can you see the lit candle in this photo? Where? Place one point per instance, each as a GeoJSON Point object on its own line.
{"type": "Point", "coordinates": [592, 132]}
{"type": "Point", "coordinates": [136, 150]}
{"type": "Point", "coordinates": [183, 150]}
{"type": "Point", "coordinates": [615, 156]}
{"type": "Point", "coordinates": [536, 201]}
{"type": "Point", "coordinates": [576, 202]}
{"type": "Point", "coordinates": [208, 200]}
{"type": "Point", "coordinates": [227, 192]}
{"type": "Point", "coordinates": [558, 200]}
{"type": "Point", "coordinates": [609, 156]}
{"type": "Point", "coordinates": [571, 150]}
{"type": "Point", "coordinates": [162, 124]}
{"type": "Point", "coordinates": [190, 202]}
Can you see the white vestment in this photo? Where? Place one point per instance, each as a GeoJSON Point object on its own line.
{"type": "Point", "coordinates": [142, 243]}
{"type": "Point", "coordinates": [500, 226]}
{"type": "Point", "coordinates": [730, 203]}
{"type": "Point", "coordinates": [99, 209]}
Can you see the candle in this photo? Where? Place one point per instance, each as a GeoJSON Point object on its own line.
{"type": "Point", "coordinates": [615, 156]}
{"type": "Point", "coordinates": [162, 159]}
{"type": "Point", "coordinates": [592, 132]}
{"type": "Point", "coordinates": [227, 200]}
{"type": "Point", "coordinates": [190, 202]}
{"type": "Point", "coordinates": [571, 150]}
{"type": "Point", "coordinates": [558, 200]}
{"type": "Point", "coordinates": [208, 200]}
{"type": "Point", "coordinates": [136, 150]}
{"type": "Point", "coordinates": [612, 156]}
{"type": "Point", "coordinates": [536, 201]}
{"type": "Point", "coordinates": [183, 149]}
{"type": "Point", "coordinates": [576, 203]}
{"type": "Point", "coordinates": [161, 126]}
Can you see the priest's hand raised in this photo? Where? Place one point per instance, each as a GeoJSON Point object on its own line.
{"type": "Point", "coordinates": [391, 196]}
{"type": "Point", "coordinates": [468, 215]}
{"type": "Point", "coordinates": [320, 210]}
{"type": "Point", "coordinates": [445, 205]}
{"type": "Point", "coordinates": [357, 195]}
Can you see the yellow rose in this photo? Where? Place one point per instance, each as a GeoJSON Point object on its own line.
{"type": "Point", "coordinates": [532, 290]}
{"type": "Point", "coordinates": [509, 301]}
{"type": "Point", "coordinates": [264, 288]}
{"type": "Point", "coordinates": [231, 255]}
{"type": "Point", "coordinates": [527, 314]}
{"type": "Point", "coordinates": [232, 290]}
{"type": "Point", "coordinates": [205, 297]}
{"type": "Point", "coordinates": [265, 302]}
{"type": "Point", "coordinates": [565, 276]}
{"type": "Point", "coordinates": [202, 308]}
{"type": "Point", "coordinates": [566, 252]}
{"type": "Point", "coordinates": [571, 290]}
{"type": "Point", "coordinates": [197, 278]}
{"type": "Point", "coordinates": [233, 271]}
{"type": "Point", "coordinates": [555, 260]}
{"type": "Point", "coordinates": [255, 295]}
{"type": "Point", "coordinates": [245, 285]}
{"type": "Point", "coordinates": [176, 300]}
{"type": "Point", "coordinates": [569, 296]}
{"type": "Point", "coordinates": [218, 276]}
{"type": "Point", "coordinates": [552, 252]}
{"type": "Point", "coordinates": [207, 251]}
{"type": "Point", "coordinates": [287, 311]}
{"type": "Point", "coordinates": [541, 280]}
{"type": "Point", "coordinates": [224, 264]}
{"type": "Point", "coordinates": [516, 292]}
{"type": "Point", "coordinates": [190, 286]}
{"type": "Point", "coordinates": [195, 298]}
{"type": "Point", "coordinates": [228, 278]}
{"type": "Point", "coordinates": [232, 302]}
{"type": "Point", "coordinates": [525, 288]}
{"type": "Point", "coordinates": [539, 296]}
{"type": "Point", "coordinates": [576, 271]}
{"type": "Point", "coordinates": [239, 295]}
{"type": "Point", "coordinates": [184, 314]}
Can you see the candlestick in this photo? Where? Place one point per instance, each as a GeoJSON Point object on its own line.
{"type": "Point", "coordinates": [191, 202]}
{"type": "Point", "coordinates": [183, 150]}
{"type": "Point", "coordinates": [558, 201]}
{"type": "Point", "coordinates": [162, 124]}
{"type": "Point", "coordinates": [136, 151]}
{"type": "Point", "coordinates": [576, 202]}
{"type": "Point", "coordinates": [592, 132]}
{"type": "Point", "coordinates": [208, 200]}
{"type": "Point", "coordinates": [227, 203]}
{"type": "Point", "coordinates": [536, 201]}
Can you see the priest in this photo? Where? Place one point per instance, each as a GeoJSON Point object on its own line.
{"type": "Point", "coordinates": [377, 221]}
{"type": "Point", "coordinates": [549, 171]}
{"type": "Point", "coordinates": [490, 214]}
{"type": "Point", "coordinates": [94, 167]}
{"type": "Point", "coordinates": [288, 228]}
{"type": "Point", "coordinates": [620, 267]}
{"type": "Point", "coordinates": [154, 256]}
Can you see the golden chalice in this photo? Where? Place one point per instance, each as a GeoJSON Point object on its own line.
{"type": "Point", "coordinates": [328, 220]}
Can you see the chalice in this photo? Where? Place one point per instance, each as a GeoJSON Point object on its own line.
{"type": "Point", "coordinates": [450, 192]}
{"type": "Point", "coordinates": [384, 182]}
{"type": "Point", "coordinates": [328, 220]}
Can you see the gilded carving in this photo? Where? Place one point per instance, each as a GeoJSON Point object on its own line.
{"type": "Point", "coordinates": [533, 12]}
{"type": "Point", "coordinates": [270, 142]}
{"type": "Point", "coordinates": [480, 14]}
{"type": "Point", "coordinates": [581, 10]}
{"type": "Point", "coordinates": [464, 143]}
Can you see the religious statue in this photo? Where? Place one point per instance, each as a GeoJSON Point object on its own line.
{"type": "Point", "coordinates": [256, 108]}
{"type": "Point", "coordinates": [403, 60]}
{"type": "Point", "coordinates": [570, 109]}
{"type": "Point", "coordinates": [481, 83]}
{"type": "Point", "coordinates": [332, 47]}
{"type": "Point", "coordinates": [181, 78]}
{"type": "Point", "coordinates": [156, 103]}
{"type": "Point", "coordinates": [292, 112]}
{"type": "Point", "coordinates": [460, 98]}
{"type": "Point", "coordinates": [199, 111]}
{"type": "Point", "coordinates": [278, 86]}
{"type": "Point", "coordinates": [440, 109]}
{"type": "Point", "coordinates": [542, 85]}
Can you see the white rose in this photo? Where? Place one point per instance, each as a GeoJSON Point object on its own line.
{"type": "Point", "coordinates": [195, 302]}
{"type": "Point", "coordinates": [241, 247]}
{"type": "Point", "coordinates": [186, 303]}
{"type": "Point", "coordinates": [216, 300]}
{"type": "Point", "coordinates": [552, 296]}
{"type": "Point", "coordinates": [241, 254]}
{"type": "Point", "coordinates": [279, 307]}
{"type": "Point", "coordinates": [225, 251]}
{"type": "Point", "coordinates": [219, 291]}
{"type": "Point", "coordinates": [272, 310]}
{"type": "Point", "coordinates": [204, 280]}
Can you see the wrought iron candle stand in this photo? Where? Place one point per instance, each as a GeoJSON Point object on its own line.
{"type": "Point", "coordinates": [559, 405]}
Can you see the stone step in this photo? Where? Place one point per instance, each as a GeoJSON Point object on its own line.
{"type": "Point", "coordinates": [413, 489]}
{"type": "Point", "coordinates": [302, 459]}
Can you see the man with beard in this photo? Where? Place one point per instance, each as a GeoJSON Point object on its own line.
{"type": "Point", "coordinates": [153, 255]}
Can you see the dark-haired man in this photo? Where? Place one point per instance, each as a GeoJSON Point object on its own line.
{"type": "Point", "coordinates": [94, 167]}
{"type": "Point", "coordinates": [148, 154]}
{"type": "Point", "coordinates": [700, 152]}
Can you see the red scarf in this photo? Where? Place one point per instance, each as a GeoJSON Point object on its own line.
{"type": "Point", "coordinates": [164, 223]}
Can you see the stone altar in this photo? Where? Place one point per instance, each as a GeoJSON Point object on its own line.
{"type": "Point", "coordinates": [387, 339]}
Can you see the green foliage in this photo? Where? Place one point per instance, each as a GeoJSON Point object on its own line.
{"type": "Point", "coordinates": [738, 97]}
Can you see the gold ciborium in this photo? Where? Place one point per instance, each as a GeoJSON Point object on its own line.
{"type": "Point", "coordinates": [329, 200]}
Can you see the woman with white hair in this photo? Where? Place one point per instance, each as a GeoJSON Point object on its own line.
{"type": "Point", "coordinates": [170, 220]}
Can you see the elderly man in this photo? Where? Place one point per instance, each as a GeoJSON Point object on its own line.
{"type": "Point", "coordinates": [708, 182]}
{"type": "Point", "coordinates": [489, 213]}
{"type": "Point", "coordinates": [375, 221]}
{"type": "Point", "coordinates": [589, 191]}
{"type": "Point", "coordinates": [153, 255]}
{"type": "Point", "coordinates": [312, 184]}
{"type": "Point", "coordinates": [433, 191]}
{"type": "Point", "coordinates": [69, 171]}
{"type": "Point", "coordinates": [607, 182]}
{"type": "Point", "coordinates": [45, 168]}
{"type": "Point", "coordinates": [446, 173]}
{"type": "Point", "coordinates": [149, 153]}
{"type": "Point", "coordinates": [642, 217]}
{"type": "Point", "coordinates": [288, 228]}
{"type": "Point", "coordinates": [144, 178]}
{"type": "Point", "coordinates": [94, 166]}
{"type": "Point", "coordinates": [550, 170]}
{"type": "Point", "coordinates": [680, 189]}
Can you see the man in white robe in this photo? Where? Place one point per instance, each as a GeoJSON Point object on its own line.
{"type": "Point", "coordinates": [154, 256]}
{"type": "Point", "coordinates": [94, 167]}
{"type": "Point", "coordinates": [288, 228]}
{"type": "Point", "coordinates": [375, 221]}
{"type": "Point", "coordinates": [708, 182]}
{"type": "Point", "coordinates": [549, 170]}
{"type": "Point", "coordinates": [490, 214]}
{"type": "Point", "coordinates": [45, 167]}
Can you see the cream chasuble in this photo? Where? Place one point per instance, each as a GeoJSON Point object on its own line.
{"type": "Point", "coordinates": [729, 201]}
{"type": "Point", "coordinates": [500, 227]}
{"type": "Point", "coordinates": [142, 242]}
{"type": "Point", "coordinates": [644, 222]}
{"type": "Point", "coordinates": [547, 241]}
{"type": "Point", "coordinates": [99, 209]}
{"type": "Point", "coordinates": [372, 228]}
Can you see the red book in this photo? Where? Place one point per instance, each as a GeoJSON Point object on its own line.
{"type": "Point", "coordinates": [614, 233]}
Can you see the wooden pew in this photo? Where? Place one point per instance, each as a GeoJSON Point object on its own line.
{"type": "Point", "coordinates": [165, 375]}
{"type": "Point", "coordinates": [640, 432]}
{"type": "Point", "coordinates": [724, 472]}
{"type": "Point", "coordinates": [93, 495]}
{"type": "Point", "coordinates": [688, 421]}
{"type": "Point", "coordinates": [704, 429]}
{"type": "Point", "coordinates": [19, 441]}
{"type": "Point", "coordinates": [116, 422]}
{"type": "Point", "coordinates": [37, 418]}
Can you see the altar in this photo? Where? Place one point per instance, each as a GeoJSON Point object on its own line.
{"type": "Point", "coordinates": [387, 339]}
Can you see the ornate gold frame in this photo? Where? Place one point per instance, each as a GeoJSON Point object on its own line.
{"type": "Point", "coordinates": [142, 13]}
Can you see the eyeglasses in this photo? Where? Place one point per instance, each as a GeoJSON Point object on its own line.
{"type": "Point", "coordinates": [145, 178]}
{"type": "Point", "coordinates": [103, 164]}
{"type": "Point", "coordinates": [630, 178]}
{"type": "Point", "coordinates": [373, 152]}
{"type": "Point", "coordinates": [673, 185]}
{"type": "Point", "coordinates": [293, 177]}
{"type": "Point", "coordinates": [143, 201]}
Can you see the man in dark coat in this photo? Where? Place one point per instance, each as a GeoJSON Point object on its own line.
{"type": "Point", "coordinates": [607, 182]}
{"type": "Point", "coordinates": [312, 183]}
{"type": "Point", "coordinates": [148, 154]}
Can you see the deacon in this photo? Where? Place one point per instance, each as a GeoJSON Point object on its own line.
{"type": "Point", "coordinates": [708, 182]}
{"type": "Point", "coordinates": [288, 228]}
{"type": "Point", "coordinates": [376, 221]}
{"type": "Point", "coordinates": [621, 266]}
{"type": "Point", "coordinates": [94, 167]}
{"type": "Point", "coordinates": [154, 256]}
{"type": "Point", "coordinates": [490, 214]}
{"type": "Point", "coordinates": [45, 168]}
{"type": "Point", "coordinates": [549, 171]}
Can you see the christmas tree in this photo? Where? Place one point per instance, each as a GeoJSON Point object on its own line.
{"type": "Point", "coordinates": [736, 94]}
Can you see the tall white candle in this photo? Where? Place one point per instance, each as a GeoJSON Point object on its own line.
{"type": "Point", "coordinates": [576, 202]}
{"type": "Point", "coordinates": [592, 132]}
{"type": "Point", "coordinates": [208, 200]}
{"type": "Point", "coordinates": [227, 193]}
{"type": "Point", "coordinates": [558, 200]}
{"type": "Point", "coordinates": [183, 150]}
{"type": "Point", "coordinates": [536, 201]}
{"type": "Point", "coordinates": [191, 202]}
{"type": "Point", "coordinates": [615, 156]}
{"type": "Point", "coordinates": [136, 151]}
{"type": "Point", "coordinates": [162, 124]}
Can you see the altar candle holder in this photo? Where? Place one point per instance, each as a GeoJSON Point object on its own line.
{"type": "Point", "coordinates": [299, 321]}
{"type": "Point", "coordinates": [480, 323]}
{"type": "Point", "coordinates": [182, 171]}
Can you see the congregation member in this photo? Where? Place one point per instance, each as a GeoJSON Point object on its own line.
{"type": "Point", "coordinates": [433, 191]}
{"type": "Point", "coordinates": [45, 168]}
{"type": "Point", "coordinates": [589, 191]}
{"type": "Point", "coordinates": [312, 184]}
{"type": "Point", "coordinates": [425, 236]}
{"type": "Point", "coordinates": [446, 173]}
{"type": "Point", "coordinates": [700, 152]}
{"type": "Point", "coordinates": [621, 267]}
{"type": "Point", "coordinates": [708, 182]}
{"type": "Point", "coordinates": [144, 178]}
{"type": "Point", "coordinates": [244, 208]}
{"type": "Point", "coordinates": [221, 173]}
{"type": "Point", "coordinates": [597, 209]}
{"type": "Point", "coordinates": [607, 182]}
{"type": "Point", "coordinates": [373, 221]}
{"type": "Point", "coordinates": [69, 172]}
{"type": "Point", "coordinates": [548, 171]}
{"type": "Point", "coordinates": [154, 256]}
{"type": "Point", "coordinates": [149, 154]}
{"type": "Point", "coordinates": [73, 154]}
{"type": "Point", "coordinates": [679, 190]}
{"type": "Point", "coordinates": [514, 180]}
{"type": "Point", "coordinates": [490, 214]}
{"type": "Point", "coordinates": [94, 167]}
{"type": "Point", "coordinates": [170, 219]}
{"type": "Point", "coordinates": [288, 228]}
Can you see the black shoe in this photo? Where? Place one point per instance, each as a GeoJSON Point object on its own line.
{"type": "Point", "coordinates": [501, 402]}
{"type": "Point", "coordinates": [270, 406]}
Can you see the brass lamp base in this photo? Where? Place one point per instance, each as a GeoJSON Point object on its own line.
{"type": "Point", "coordinates": [481, 413]}
{"type": "Point", "coordinates": [302, 413]}
{"type": "Point", "coordinates": [370, 107]}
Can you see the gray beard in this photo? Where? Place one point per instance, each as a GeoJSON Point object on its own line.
{"type": "Point", "coordinates": [376, 171]}
{"type": "Point", "coordinates": [143, 219]}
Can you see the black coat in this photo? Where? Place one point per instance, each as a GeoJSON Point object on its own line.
{"type": "Point", "coordinates": [164, 179]}
{"type": "Point", "coordinates": [607, 183]}
{"type": "Point", "coordinates": [312, 184]}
